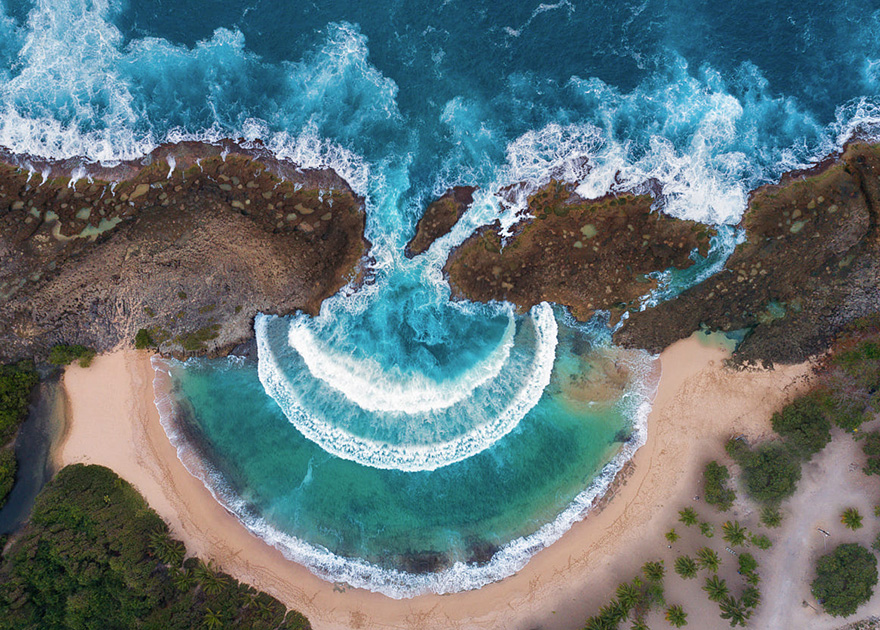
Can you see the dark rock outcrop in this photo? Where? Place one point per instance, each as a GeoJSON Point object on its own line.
{"type": "Point", "coordinates": [809, 266]}
{"type": "Point", "coordinates": [588, 255]}
{"type": "Point", "coordinates": [439, 217]}
{"type": "Point", "coordinates": [189, 253]}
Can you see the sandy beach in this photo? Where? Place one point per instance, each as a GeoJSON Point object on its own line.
{"type": "Point", "coordinates": [113, 421]}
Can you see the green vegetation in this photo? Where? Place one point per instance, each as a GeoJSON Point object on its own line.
{"type": "Point", "coordinates": [707, 530]}
{"type": "Point", "coordinates": [676, 616]}
{"type": "Point", "coordinates": [770, 471]}
{"type": "Point", "coordinates": [181, 295]}
{"type": "Point", "coordinates": [143, 340]}
{"type": "Point", "coordinates": [734, 533]}
{"type": "Point", "coordinates": [803, 425]}
{"type": "Point", "coordinates": [16, 384]}
{"type": "Point", "coordinates": [688, 516]}
{"type": "Point", "coordinates": [708, 559]}
{"type": "Point", "coordinates": [95, 556]}
{"type": "Point", "coordinates": [197, 340]}
{"type": "Point", "coordinates": [760, 541]}
{"type": "Point", "coordinates": [845, 579]}
{"type": "Point", "coordinates": [64, 354]}
{"type": "Point", "coordinates": [748, 567]}
{"type": "Point", "coordinates": [634, 599]}
{"type": "Point", "coordinates": [871, 448]}
{"type": "Point", "coordinates": [715, 477]}
{"type": "Point", "coordinates": [686, 567]}
{"type": "Point", "coordinates": [851, 518]}
{"type": "Point", "coordinates": [17, 381]}
{"type": "Point", "coordinates": [716, 588]}
{"type": "Point", "coordinates": [7, 473]}
{"type": "Point", "coordinates": [672, 535]}
{"type": "Point", "coordinates": [771, 516]}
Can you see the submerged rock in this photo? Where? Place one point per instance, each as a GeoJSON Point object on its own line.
{"type": "Point", "coordinates": [189, 247]}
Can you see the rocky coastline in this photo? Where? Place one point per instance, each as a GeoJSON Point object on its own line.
{"type": "Point", "coordinates": [810, 263]}
{"type": "Point", "coordinates": [188, 244]}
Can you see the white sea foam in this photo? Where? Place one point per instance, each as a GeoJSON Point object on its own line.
{"type": "Point", "coordinates": [508, 560]}
{"type": "Point", "coordinates": [372, 388]}
{"type": "Point", "coordinates": [412, 457]}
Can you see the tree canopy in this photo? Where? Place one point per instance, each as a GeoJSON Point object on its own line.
{"type": "Point", "coordinates": [845, 579]}
{"type": "Point", "coordinates": [770, 472]}
{"type": "Point", "coordinates": [95, 556]}
{"type": "Point", "coordinates": [804, 426]}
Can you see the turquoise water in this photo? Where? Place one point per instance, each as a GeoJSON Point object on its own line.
{"type": "Point", "coordinates": [455, 527]}
{"type": "Point", "coordinates": [398, 429]}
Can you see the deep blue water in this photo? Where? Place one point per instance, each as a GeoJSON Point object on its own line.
{"type": "Point", "coordinates": [703, 101]}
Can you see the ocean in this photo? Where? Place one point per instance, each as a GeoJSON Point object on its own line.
{"type": "Point", "coordinates": [400, 441]}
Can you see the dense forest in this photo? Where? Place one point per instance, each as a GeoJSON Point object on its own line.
{"type": "Point", "coordinates": [96, 557]}
{"type": "Point", "coordinates": [17, 381]}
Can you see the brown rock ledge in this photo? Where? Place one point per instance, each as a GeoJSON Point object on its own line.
{"type": "Point", "coordinates": [587, 255]}
{"type": "Point", "coordinates": [191, 253]}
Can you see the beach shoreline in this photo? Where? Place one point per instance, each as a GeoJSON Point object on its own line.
{"type": "Point", "coordinates": [113, 421]}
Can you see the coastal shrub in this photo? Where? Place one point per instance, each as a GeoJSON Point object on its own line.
{"type": "Point", "coordinates": [760, 541]}
{"type": "Point", "coordinates": [143, 340]}
{"type": "Point", "coordinates": [803, 425]}
{"type": "Point", "coordinates": [845, 579]}
{"type": "Point", "coordinates": [88, 558]}
{"type": "Point", "coordinates": [871, 448]}
{"type": "Point", "coordinates": [748, 567]}
{"type": "Point", "coordinates": [707, 529]}
{"type": "Point", "coordinates": [717, 493]}
{"type": "Point", "coordinates": [63, 354]}
{"type": "Point", "coordinates": [771, 472]}
{"type": "Point", "coordinates": [7, 473]}
{"type": "Point", "coordinates": [17, 381]}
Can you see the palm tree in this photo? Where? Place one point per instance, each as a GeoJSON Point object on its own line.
{"type": "Point", "coordinates": [676, 616]}
{"type": "Point", "coordinates": [212, 621]}
{"type": "Point", "coordinates": [212, 582]}
{"type": "Point", "coordinates": [851, 518]}
{"type": "Point", "coordinates": [708, 559]}
{"type": "Point", "coordinates": [716, 588]}
{"type": "Point", "coordinates": [771, 516]}
{"type": "Point", "coordinates": [686, 567]}
{"type": "Point", "coordinates": [600, 622]}
{"type": "Point", "coordinates": [614, 611]}
{"type": "Point", "coordinates": [751, 597]}
{"type": "Point", "coordinates": [654, 571]}
{"type": "Point", "coordinates": [166, 549]}
{"type": "Point", "coordinates": [672, 535]}
{"type": "Point", "coordinates": [707, 530]}
{"type": "Point", "coordinates": [629, 595]}
{"type": "Point", "coordinates": [639, 624]}
{"type": "Point", "coordinates": [183, 580]}
{"type": "Point", "coordinates": [688, 516]}
{"type": "Point", "coordinates": [734, 533]}
{"type": "Point", "coordinates": [734, 611]}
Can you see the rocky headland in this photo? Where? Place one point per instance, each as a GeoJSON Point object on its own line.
{"type": "Point", "coordinates": [187, 244]}
{"type": "Point", "coordinates": [810, 263]}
